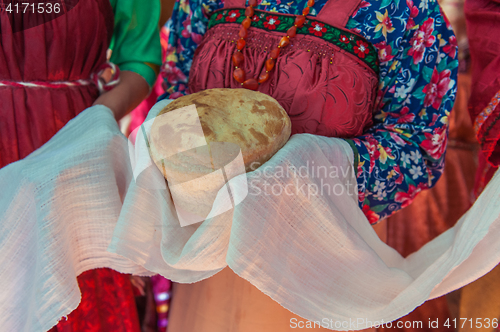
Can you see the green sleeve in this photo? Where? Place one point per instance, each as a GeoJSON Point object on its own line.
{"type": "Point", "coordinates": [135, 43]}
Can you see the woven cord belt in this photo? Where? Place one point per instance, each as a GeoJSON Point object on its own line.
{"type": "Point", "coordinates": [95, 79]}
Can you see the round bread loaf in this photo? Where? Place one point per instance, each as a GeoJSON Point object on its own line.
{"type": "Point", "coordinates": [231, 120]}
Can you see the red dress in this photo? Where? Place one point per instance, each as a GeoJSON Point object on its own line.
{"type": "Point", "coordinates": [482, 27]}
{"type": "Point", "coordinates": [65, 48]}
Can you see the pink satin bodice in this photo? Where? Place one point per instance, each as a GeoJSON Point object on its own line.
{"type": "Point", "coordinates": [324, 89]}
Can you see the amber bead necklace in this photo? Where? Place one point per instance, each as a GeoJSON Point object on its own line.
{"type": "Point", "coordinates": [238, 58]}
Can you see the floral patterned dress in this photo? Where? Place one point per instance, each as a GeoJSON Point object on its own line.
{"type": "Point", "coordinates": [401, 152]}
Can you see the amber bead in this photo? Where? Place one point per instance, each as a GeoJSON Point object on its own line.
{"type": "Point", "coordinates": [292, 32]}
{"type": "Point", "coordinates": [243, 33]}
{"type": "Point", "coordinates": [269, 64]}
{"type": "Point", "coordinates": [249, 12]}
{"type": "Point", "coordinates": [252, 3]}
{"type": "Point", "coordinates": [305, 11]}
{"type": "Point", "coordinates": [251, 84]}
{"type": "Point", "coordinates": [246, 23]}
{"type": "Point", "coordinates": [241, 43]}
{"type": "Point", "coordinates": [284, 41]}
{"type": "Point", "coordinates": [310, 3]}
{"type": "Point", "coordinates": [239, 75]}
{"type": "Point", "coordinates": [238, 59]}
{"type": "Point", "coordinates": [275, 53]}
{"type": "Point", "coordinates": [263, 77]}
{"type": "Point", "coordinates": [299, 20]}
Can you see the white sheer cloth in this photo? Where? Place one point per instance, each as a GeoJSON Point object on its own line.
{"type": "Point", "coordinates": [58, 210]}
{"type": "Point", "coordinates": [314, 253]}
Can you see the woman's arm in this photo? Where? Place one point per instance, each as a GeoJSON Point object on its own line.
{"type": "Point", "coordinates": [136, 50]}
{"type": "Point", "coordinates": [125, 96]}
{"type": "Point", "coordinates": [403, 152]}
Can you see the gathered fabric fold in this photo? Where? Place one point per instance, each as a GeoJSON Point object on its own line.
{"type": "Point", "coordinates": [300, 237]}
{"type": "Point", "coordinates": [58, 210]}
{"type": "Point", "coordinates": [89, 198]}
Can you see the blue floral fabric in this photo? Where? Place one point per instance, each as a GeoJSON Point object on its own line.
{"type": "Point", "coordinates": [403, 152]}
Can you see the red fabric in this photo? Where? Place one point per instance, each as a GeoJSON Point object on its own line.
{"type": "Point", "coordinates": [485, 172]}
{"type": "Point", "coordinates": [483, 30]}
{"type": "Point", "coordinates": [66, 48]}
{"type": "Point", "coordinates": [108, 304]}
{"type": "Point", "coordinates": [489, 131]}
{"type": "Point", "coordinates": [308, 93]}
